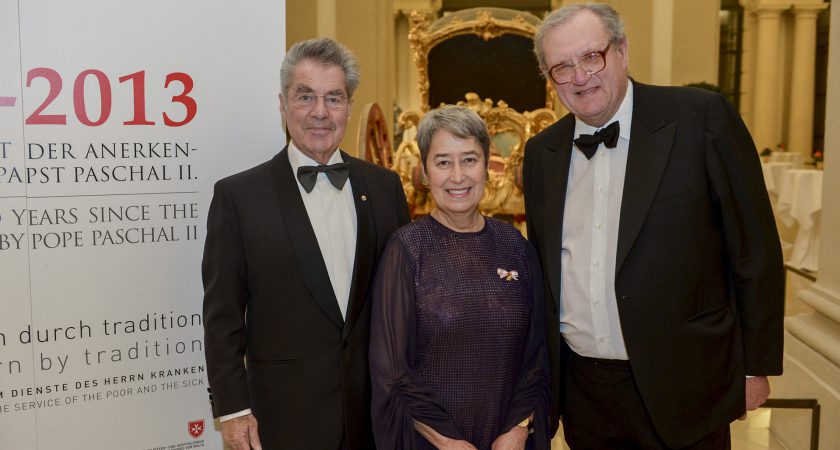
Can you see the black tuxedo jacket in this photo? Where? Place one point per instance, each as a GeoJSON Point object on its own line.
{"type": "Point", "coordinates": [268, 299]}
{"type": "Point", "coordinates": [699, 272]}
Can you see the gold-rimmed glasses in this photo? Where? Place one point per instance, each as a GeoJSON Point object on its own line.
{"type": "Point", "coordinates": [591, 63]}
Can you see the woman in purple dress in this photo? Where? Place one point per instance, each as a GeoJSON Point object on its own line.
{"type": "Point", "coordinates": [458, 355]}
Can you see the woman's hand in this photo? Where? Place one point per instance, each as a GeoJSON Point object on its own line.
{"type": "Point", "coordinates": [458, 445]}
{"type": "Point", "coordinates": [512, 440]}
{"type": "Point", "coordinates": [440, 441]}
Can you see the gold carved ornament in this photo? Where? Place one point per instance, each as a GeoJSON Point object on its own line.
{"type": "Point", "coordinates": [509, 131]}
{"type": "Point", "coordinates": [488, 23]}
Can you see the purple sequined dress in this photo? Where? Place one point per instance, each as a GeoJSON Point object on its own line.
{"type": "Point", "coordinates": [457, 336]}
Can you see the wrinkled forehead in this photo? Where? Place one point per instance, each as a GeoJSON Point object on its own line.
{"type": "Point", "coordinates": [303, 88]}
{"type": "Point", "coordinates": [580, 34]}
{"type": "Point", "coordinates": [314, 77]}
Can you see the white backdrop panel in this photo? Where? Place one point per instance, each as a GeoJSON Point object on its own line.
{"type": "Point", "coordinates": [116, 118]}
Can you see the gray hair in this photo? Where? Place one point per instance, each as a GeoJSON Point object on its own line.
{"type": "Point", "coordinates": [612, 21]}
{"type": "Point", "coordinates": [461, 121]}
{"type": "Point", "coordinates": [323, 51]}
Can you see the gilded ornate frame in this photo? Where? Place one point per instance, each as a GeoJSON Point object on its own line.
{"type": "Point", "coordinates": [488, 23]}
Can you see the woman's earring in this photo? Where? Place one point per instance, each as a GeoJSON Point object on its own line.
{"type": "Point", "coordinates": [424, 180]}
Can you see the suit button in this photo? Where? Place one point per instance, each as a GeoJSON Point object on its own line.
{"type": "Point", "coordinates": [624, 297]}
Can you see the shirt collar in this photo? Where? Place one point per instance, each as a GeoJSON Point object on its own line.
{"type": "Point", "coordinates": [297, 158]}
{"type": "Point", "coordinates": [624, 116]}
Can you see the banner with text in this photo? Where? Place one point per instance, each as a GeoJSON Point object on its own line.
{"type": "Point", "coordinates": [116, 118]}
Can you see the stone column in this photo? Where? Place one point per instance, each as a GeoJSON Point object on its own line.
{"type": "Point", "coordinates": [801, 119]}
{"type": "Point", "coordinates": [748, 45]}
{"type": "Point", "coordinates": [766, 101]}
{"type": "Point", "coordinates": [408, 76]}
{"type": "Point", "coordinates": [662, 43]}
{"type": "Point", "coordinates": [326, 18]}
{"type": "Point", "coordinates": [694, 35]}
{"type": "Point", "coordinates": [812, 340]}
{"type": "Point", "coordinates": [366, 28]}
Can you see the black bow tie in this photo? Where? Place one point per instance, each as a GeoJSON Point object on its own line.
{"type": "Point", "coordinates": [588, 143]}
{"type": "Point", "coordinates": [336, 173]}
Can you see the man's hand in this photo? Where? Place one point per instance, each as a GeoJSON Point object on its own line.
{"type": "Point", "coordinates": [241, 433]}
{"type": "Point", "coordinates": [758, 390]}
{"type": "Point", "coordinates": [512, 440]}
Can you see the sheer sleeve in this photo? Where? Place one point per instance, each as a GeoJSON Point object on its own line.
{"type": "Point", "coordinates": [532, 388]}
{"type": "Point", "coordinates": [399, 395]}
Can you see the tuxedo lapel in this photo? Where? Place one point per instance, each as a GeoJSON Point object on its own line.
{"type": "Point", "coordinates": [303, 240]}
{"type": "Point", "coordinates": [651, 138]}
{"type": "Point", "coordinates": [365, 244]}
{"type": "Point", "coordinates": [556, 175]}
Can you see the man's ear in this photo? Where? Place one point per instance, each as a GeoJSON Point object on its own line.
{"type": "Point", "coordinates": [282, 109]}
{"type": "Point", "coordinates": [624, 49]}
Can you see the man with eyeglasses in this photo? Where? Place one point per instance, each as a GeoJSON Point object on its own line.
{"type": "Point", "coordinates": [290, 251]}
{"type": "Point", "coordinates": [663, 268]}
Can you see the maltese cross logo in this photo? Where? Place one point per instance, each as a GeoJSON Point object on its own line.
{"type": "Point", "coordinates": [195, 427]}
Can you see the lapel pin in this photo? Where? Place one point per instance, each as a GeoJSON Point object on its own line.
{"type": "Point", "coordinates": [364, 198]}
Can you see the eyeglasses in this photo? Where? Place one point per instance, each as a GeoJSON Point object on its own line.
{"type": "Point", "coordinates": [331, 101]}
{"type": "Point", "coordinates": [590, 63]}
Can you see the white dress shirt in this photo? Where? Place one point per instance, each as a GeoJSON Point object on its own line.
{"type": "Point", "coordinates": [332, 214]}
{"type": "Point", "coordinates": [333, 217]}
{"type": "Point", "coordinates": [588, 308]}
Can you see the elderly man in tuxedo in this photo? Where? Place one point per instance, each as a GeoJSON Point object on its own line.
{"type": "Point", "coordinates": [290, 251]}
{"type": "Point", "coordinates": [663, 268]}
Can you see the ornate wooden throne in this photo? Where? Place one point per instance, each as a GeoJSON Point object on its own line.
{"type": "Point", "coordinates": [471, 57]}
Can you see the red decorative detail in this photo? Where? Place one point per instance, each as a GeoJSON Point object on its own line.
{"type": "Point", "coordinates": [138, 82]}
{"type": "Point", "coordinates": [374, 144]}
{"type": "Point", "coordinates": [182, 98]}
{"type": "Point", "coordinates": [195, 427]}
{"type": "Point", "coordinates": [104, 98]}
{"type": "Point", "coordinates": [36, 118]}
